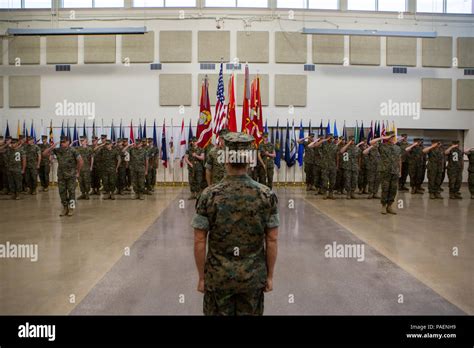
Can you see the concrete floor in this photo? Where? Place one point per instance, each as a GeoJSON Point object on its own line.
{"type": "Point", "coordinates": [409, 254]}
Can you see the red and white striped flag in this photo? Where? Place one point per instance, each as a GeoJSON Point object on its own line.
{"type": "Point", "coordinates": [220, 121]}
{"type": "Point", "coordinates": [182, 145]}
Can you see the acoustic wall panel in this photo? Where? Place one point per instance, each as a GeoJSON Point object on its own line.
{"type": "Point", "coordinates": [328, 49]}
{"type": "Point", "coordinates": [24, 91]}
{"type": "Point", "coordinates": [175, 89]}
{"type": "Point", "coordinates": [264, 87]}
{"type": "Point", "coordinates": [213, 46]}
{"type": "Point", "coordinates": [213, 80]}
{"type": "Point", "coordinates": [290, 90]}
{"type": "Point", "coordinates": [436, 93]}
{"type": "Point", "coordinates": [401, 51]}
{"type": "Point", "coordinates": [365, 50]}
{"type": "Point", "coordinates": [253, 46]}
{"type": "Point", "coordinates": [290, 47]}
{"type": "Point", "coordinates": [99, 49]}
{"type": "Point", "coordinates": [61, 49]}
{"type": "Point", "coordinates": [139, 48]}
{"type": "Point", "coordinates": [1, 91]}
{"type": "Point", "coordinates": [465, 53]}
{"type": "Point", "coordinates": [25, 48]}
{"type": "Point", "coordinates": [437, 52]}
{"type": "Point", "coordinates": [176, 46]}
{"type": "Point", "coordinates": [465, 94]}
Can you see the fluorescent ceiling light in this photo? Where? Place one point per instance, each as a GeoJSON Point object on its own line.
{"type": "Point", "coordinates": [76, 31]}
{"type": "Point", "coordinates": [425, 34]}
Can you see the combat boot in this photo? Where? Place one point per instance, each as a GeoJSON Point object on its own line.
{"type": "Point", "coordinates": [86, 197]}
{"type": "Point", "coordinates": [308, 188]}
{"type": "Point", "coordinates": [33, 192]}
{"type": "Point", "coordinates": [82, 196]}
{"type": "Point", "coordinates": [404, 188]}
{"type": "Point", "coordinates": [438, 195]}
{"type": "Point", "coordinates": [353, 196]}
{"type": "Point", "coordinates": [384, 209]}
{"type": "Point", "coordinates": [452, 196]}
{"type": "Point", "coordinates": [413, 190]}
{"type": "Point", "coordinates": [326, 196]}
{"type": "Point", "coordinates": [14, 196]}
{"type": "Point", "coordinates": [371, 195]}
{"type": "Point", "coordinates": [331, 195]}
{"type": "Point", "coordinates": [376, 197]}
{"type": "Point", "coordinates": [112, 197]}
{"type": "Point", "coordinates": [390, 210]}
{"type": "Point", "coordinates": [432, 196]}
{"type": "Point", "coordinates": [472, 196]}
{"type": "Point", "coordinates": [70, 212]}
{"type": "Point", "coordinates": [348, 196]}
{"type": "Point", "coordinates": [458, 195]}
{"type": "Point", "coordinates": [65, 211]}
{"type": "Point", "coordinates": [420, 189]}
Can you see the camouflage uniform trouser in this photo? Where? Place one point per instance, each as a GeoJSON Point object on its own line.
{"type": "Point", "coordinates": [455, 177]}
{"type": "Point", "coordinates": [350, 180]}
{"type": "Point", "coordinates": [309, 171]}
{"type": "Point", "coordinates": [389, 187]}
{"type": "Point", "coordinates": [31, 177]}
{"type": "Point", "coordinates": [318, 170]}
{"type": "Point", "coordinates": [109, 180]}
{"type": "Point", "coordinates": [470, 181]}
{"type": "Point", "coordinates": [3, 178]}
{"type": "Point", "coordinates": [373, 179]}
{"type": "Point", "coordinates": [44, 174]}
{"type": "Point", "coordinates": [121, 178]}
{"type": "Point", "coordinates": [328, 179]}
{"type": "Point", "coordinates": [403, 178]}
{"type": "Point", "coordinates": [416, 174]}
{"type": "Point", "coordinates": [195, 178]}
{"type": "Point", "coordinates": [339, 180]}
{"type": "Point", "coordinates": [138, 180]}
{"type": "Point", "coordinates": [67, 189]}
{"type": "Point", "coordinates": [362, 179]}
{"type": "Point", "coordinates": [266, 176]}
{"type": "Point", "coordinates": [15, 181]}
{"type": "Point", "coordinates": [229, 303]}
{"type": "Point", "coordinates": [85, 181]}
{"type": "Point", "coordinates": [95, 178]}
{"type": "Point", "coordinates": [151, 179]}
{"type": "Point", "coordinates": [435, 177]}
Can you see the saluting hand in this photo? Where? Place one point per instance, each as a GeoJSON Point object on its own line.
{"type": "Point", "coordinates": [200, 286]}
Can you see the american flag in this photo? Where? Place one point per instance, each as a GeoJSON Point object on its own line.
{"type": "Point", "coordinates": [221, 107]}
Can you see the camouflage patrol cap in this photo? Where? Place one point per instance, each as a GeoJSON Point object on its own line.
{"type": "Point", "coordinates": [82, 137]}
{"type": "Point", "coordinates": [143, 140]}
{"type": "Point", "coordinates": [223, 132]}
{"type": "Point", "coordinates": [329, 135]}
{"type": "Point", "coordinates": [390, 134]}
{"type": "Point", "coordinates": [103, 136]}
{"type": "Point", "coordinates": [124, 139]}
{"type": "Point", "coordinates": [44, 137]}
{"type": "Point", "coordinates": [238, 141]}
{"type": "Point", "coordinates": [64, 138]}
{"type": "Point", "coordinates": [108, 142]}
{"type": "Point", "coordinates": [149, 139]}
{"type": "Point", "coordinates": [404, 135]}
{"type": "Point", "coordinates": [95, 138]}
{"type": "Point", "coordinates": [21, 136]}
{"type": "Point", "coordinates": [194, 138]}
{"type": "Point", "coordinates": [351, 138]}
{"type": "Point", "coordinates": [265, 134]}
{"type": "Point", "coordinates": [8, 137]}
{"type": "Point", "coordinates": [455, 142]}
{"type": "Point", "coordinates": [14, 140]}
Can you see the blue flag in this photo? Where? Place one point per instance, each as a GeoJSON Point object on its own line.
{"type": "Point", "coordinates": [94, 134]}
{"type": "Point", "coordinates": [290, 145]}
{"type": "Point", "coordinates": [164, 154]}
{"type": "Point", "coordinates": [7, 131]}
{"type": "Point", "coordinates": [362, 133]}
{"type": "Point", "coordinates": [84, 131]}
{"type": "Point", "coordinates": [32, 131]}
{"type": "Point", "coordinates": [62, 129]}
{"type": "Point", "coordinates": [309, 131]}
{"type": "Point", "coordinates": [68, 134]}
{"type": "Point", "coordinates": [287, 143]}
{"type": "Point", "coordinates": [266, 127]}
{"type": "Point", "coordinates": [301, 146]}
{"type": "Point", "coordinates": [278, 147]}
{"type": "Point", "coordinates": [112, 132]}
{"type": "Point", "coordinates": [328, 128]}
{"type": "Point", "coordinates": [25, 131]}
{"type": "Point", "coordinates": [336, 133]}
{"type": "Point", "coordinates": [190, 133]}
{"type": "Point", "coordinates": [144, 130]}
{"type": "Point", "coordinates": [155, 136]}
{"type": "Point", "coordinates": [75, 136]}
{"type": "Point", "coordinates": [121, 134]}
{"type": "Point", "coordinates": [320, 134]}
{"type": "Point", "coordinates": [140, 131]}
{"type": "Point", "coordinates": [344, 131]}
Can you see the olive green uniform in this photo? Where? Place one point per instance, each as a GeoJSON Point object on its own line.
{"type": "Point", "coordinates": [435, 170]}
{"type": "Point", "coordinates": [33, 153]}
{"type": "Point", "coordinates": [308, 162]}
{"type": "Point", "coordinates": [362, 180]}
{"type": "Point", "coordinates": [195, 173]}
{"type": "Point", "coordinates": [389, 169]}
{"type": "Point", "coordinates": [372, 161]}
{"type": "Point", "coordinates": [470, 179]}
{"type": "Point", "coordinates": [45, 167]}
{"type": "Point", "coordinates": [351, 168]}
{"type": "Point", "coordinates": [216, 166]}
{"type": "Point", "coordinates": [404, 155]}
{"type": "Point", "coordinates": [110, 159]}
{"type": "Point", "coordinates": [153, 153]}
{"type": "Point", "coordinates": [415, 166]}
{"type": "Point", "coordinates": [85, 174]}
{"type": "Point", "coordinates": [455, 167]}
{"type": "Point", "coordinates": [67, 165]}
{"type": "Point", "coordinates": [14, 164]}
{"type": "Point", "coordinates": [265, 175]}
{"type": "Point", "coordinates": [137, 164]}
{"type": "Point", "coordinates": [329, 166]}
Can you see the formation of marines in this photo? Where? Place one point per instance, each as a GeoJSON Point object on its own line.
{"type": "Point", "coordinates": [102, 166]}
{"type": "Point", "coordinates": [331, 164]}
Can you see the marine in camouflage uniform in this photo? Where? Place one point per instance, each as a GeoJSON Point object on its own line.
{"type": "Point", "coordinates": [15, 159]}
{"type": "Point", "coordinates": [266, 154]}
{"type": "Point", "coordinates": [372, 161]}
{"type": "Point", "coordinates": [239, 217]}
{"type": "Point", "coordinates": [350, 159]}
{"type": "Point", "coordinates": [153, 155]}
{"type": "Point", "coordinates": [122, 171]}
{"type": "Point", "coordinates": [111, 161]}
{"type": "Point", "coordinates": [435, 168]}
{"type": "Point", "coordinates": [194, 158]}
{"type": "Point", "coordinates": [455, 168]}
{"type": "Point", "coordinates": [415, 165]}
{"type": "Point", "coordinates": [86, 153]}
{"type": "Point", "coordinates": [215, 170]}
{"type": "Point", "coordinates": [69, 167]}
{"type": "Point", "coordinates": [318, 170]}
{"type": "Point", "coordinates": [138, 165]}
{"type": "Point", "coordinates": [95, 172]}
{"type": "Point", "coordinates": [329, 164]}
{"type": "Point", "coordinates": [308, 161]}
{"type": "Point", "coordinates": [470, 155]}
{"type": "Point", "coordinates": [339, 187]}
{"type": "Point", "coordinates": [33, 159]}
{"type": "Point", "coordinates": [362, 177]}
{"type": "Point", "coordinates": [45, 165]}
{"type": "Point", "coordinates": [403, 144]}
{"type": "Point", "coordinates": [389, 168]}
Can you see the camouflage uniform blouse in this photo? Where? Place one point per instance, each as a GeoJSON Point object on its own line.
{"type": "Point", "coordinates": [67, 161]}
{"type": "Point", "coordinates": [213, 164]}
{"type": "Point", "coordinates": [269, 148]}
{"type": "Point", "coordinates": [236, 212]}
{"type": "Point", "coordinates": [390, 155]}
